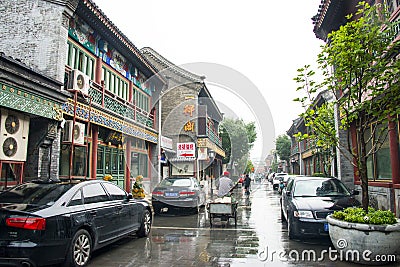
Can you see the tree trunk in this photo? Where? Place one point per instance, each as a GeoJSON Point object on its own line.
{"type": "Point", "coordinates": [362, 171]}
{"type": "Point", "coordinates": [364, 183]}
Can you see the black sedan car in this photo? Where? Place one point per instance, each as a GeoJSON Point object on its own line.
{"type": "Point", "coordinates": [306, 201]}
{"type": "Point", "coordinates": [47, 223]}
{"type": "Point", "coordinates": [178, 193]}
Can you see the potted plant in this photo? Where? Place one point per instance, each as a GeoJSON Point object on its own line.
{"type": "Point", "coordinates": [365, 237]}
{"type": "Point", "coordinates": [360, 84]}
{"type": "Point", "coordinates": [137, 188]}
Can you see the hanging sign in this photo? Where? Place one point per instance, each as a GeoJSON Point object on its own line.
{"type": "Point", "coordinates": [186, 150]}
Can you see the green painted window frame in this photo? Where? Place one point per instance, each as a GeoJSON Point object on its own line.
{"type": "Point", "coordinates": [142, 100]}
{"type": "Point", "coordinates": [115, 83]}
{"type": "Point", "coordinates": [116, 159]}
{"type": "Point", "coordinates": [78, 58]}
{"type": "Point", "coordinates": [115, 163]}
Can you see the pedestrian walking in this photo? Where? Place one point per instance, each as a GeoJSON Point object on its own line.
{"type": "Point", "coordinates": [246, 183]}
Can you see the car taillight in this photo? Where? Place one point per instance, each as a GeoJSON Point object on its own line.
{"type": "Point", "coordinates": [158, 193]}
{"type": "Point", "coordinates": [29, 223]}
{"type": "Point", "coordinates": [186, 193]}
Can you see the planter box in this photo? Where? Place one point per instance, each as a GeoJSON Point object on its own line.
{"type": "Point", "coordinates": [365, 243]}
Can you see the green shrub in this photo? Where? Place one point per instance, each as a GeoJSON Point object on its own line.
{"type": "Point", "coordinates": [358, 215]}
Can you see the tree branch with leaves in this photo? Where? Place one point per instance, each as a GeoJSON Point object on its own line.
{"type": "Point", "coordinates": [360, 69]}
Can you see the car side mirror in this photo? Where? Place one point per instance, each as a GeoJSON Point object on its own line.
{"type": "Point", "coordinates": [288, 193]}
{"type": "Point", "coordinates": [355, 192]}
{"type": "Point", "coordinates": [130, 196]}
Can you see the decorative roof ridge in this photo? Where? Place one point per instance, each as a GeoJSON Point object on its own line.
{"type": "Point", "coordinates": [168, 64]}
{"type": "Point", "coordinates": [118, 33]}
{"type": "Point", "coordinates": [320, 16]}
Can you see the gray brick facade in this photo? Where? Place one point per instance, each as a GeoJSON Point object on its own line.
{"type": "Point", "coordinates": [43, 150]}
{"type": "Point", "coordinates": [36, 33]}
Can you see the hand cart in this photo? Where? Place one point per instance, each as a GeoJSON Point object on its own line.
{"type": "Point", "coordinates": [222, 210]}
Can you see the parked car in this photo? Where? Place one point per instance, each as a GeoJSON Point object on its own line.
{"type": "Point", "coordinates": [48, 223]}
{"type": "Point", "coordinates": [284, 182]}
{"type": "Point", "coordinates": [178, 193]}
{"type": "Point", "coordinates": [279, 177]}
{"type": "Point", "coordinates": [306, 201]}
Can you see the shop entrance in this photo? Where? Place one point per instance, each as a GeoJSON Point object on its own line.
{"type": "Point", "coordinates": [111, 160]}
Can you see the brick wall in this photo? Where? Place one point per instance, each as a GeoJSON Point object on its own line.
{"type": "Point", "coordinates": [43, 151]}
{"type": "Point", "coordinates": [173, 116]}
{"type": "Point", "coordinates": [36, 33]}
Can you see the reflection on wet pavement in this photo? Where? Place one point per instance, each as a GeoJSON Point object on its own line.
{"type": "Point", "coordinates": [260, 239]}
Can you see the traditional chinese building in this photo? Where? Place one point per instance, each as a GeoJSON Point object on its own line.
{"type": "Point", "coordinates": [30, 105]}
{"type": "Point", "coordinates": [190, 118]}
{"type": "Point", "coordinates": [106, 122]}
{"type": "Point", "coordinates": [305, 157]}
{"type": "Point", "coordinates": [383, 166]}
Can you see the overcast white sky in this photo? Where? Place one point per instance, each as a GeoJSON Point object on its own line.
{"type": "Point", "coordinates": [266, 41]}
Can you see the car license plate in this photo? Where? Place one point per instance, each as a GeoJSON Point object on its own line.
{"type": "Point", "coordinates": [171, 194]}
{"type": "Point", "coordinates": [326, 227]}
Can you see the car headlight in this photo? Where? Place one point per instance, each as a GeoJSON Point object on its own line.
{"type": "Point", "coordinates": [303, 214]}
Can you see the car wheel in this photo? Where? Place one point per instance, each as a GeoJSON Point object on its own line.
{"type": "Point", "coordinates": [291, 232]}
{"type": "Point", "coordinates": [145, 225]}
{"type": "Point", "coordinates": [80, 249]}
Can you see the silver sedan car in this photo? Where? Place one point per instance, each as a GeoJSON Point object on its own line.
{"type": "Point", "coordinates": [178, 193]}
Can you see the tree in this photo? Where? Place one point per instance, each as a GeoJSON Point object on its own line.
{"type": "Point", "coordinates": [251, 133]}
{"type": "Point", "coordinates": [249, 167]}
{"type": "Point", "coordinates": [364, 82]}
{"type": "Point", "coordinates": [282, 146]}
{"type": "Point", "coordinates": [237, 140]}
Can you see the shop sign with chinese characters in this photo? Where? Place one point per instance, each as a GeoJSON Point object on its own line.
{"type": "Point", "coordinates": [186, 150]}
{"type": "Point", "coordinates": [189, 126]}
{"type": "Point", "coordinates": [188, 111]}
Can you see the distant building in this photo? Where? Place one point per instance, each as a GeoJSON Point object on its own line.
{"type": "Point", "coordinates": [305, 158]}
{"type": "Point", "coordinates": [84, 93]}
{"type": "Point", "coordinates": [190, 117]}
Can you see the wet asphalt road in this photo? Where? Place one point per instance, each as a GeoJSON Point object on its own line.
{"type": "Point", "coordinates": [259, 239]}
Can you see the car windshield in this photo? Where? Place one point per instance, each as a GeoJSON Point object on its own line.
{"type": "Point", "coordinates": [34, 194]}
{"type": "Point", "coordinates": [317, 188]}
{"type": "Point", "coordinates": [182, 182]}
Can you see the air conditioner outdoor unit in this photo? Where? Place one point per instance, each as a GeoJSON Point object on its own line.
{"type": "Point", "coordinates": [76, 133]}
{"type": "Point", "coordinates": [79, 81]}
{"type": "Point", "coordinates": [14, 130]}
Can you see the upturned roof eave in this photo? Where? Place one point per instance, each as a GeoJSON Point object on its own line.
{"type": "Point", "coordinates": [103, 19]}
